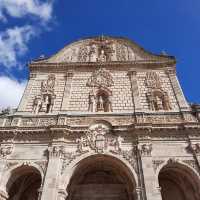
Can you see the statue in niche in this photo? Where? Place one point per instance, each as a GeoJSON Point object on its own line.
{"type": "Point", "coordinates": [100, 104]}
{"type": "Point", "coordinates": [158, 100]}
{"type": "Point", "coordinates": [37, 104]}
{"type": "Point", "coordinates": [166, 102]}
{"type": "Point", "coordinates": [102, 56]}
{"type": "Point", "coordinates": [99, 97]}
{"type": "Point", "coordinates": [99, 101]}
{"type": "Point", "coordinates": [103, 101]}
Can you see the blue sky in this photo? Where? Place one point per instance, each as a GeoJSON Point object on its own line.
{"type": "Point", "coordinates": [30, 28]}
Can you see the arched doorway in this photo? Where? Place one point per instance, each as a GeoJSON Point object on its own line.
{"type": "Point", "coordinates": [178, 182]}
{"type": "Point", "coordinates": [101, 178]}
{"type": "Point", "coordinates": [24, 183]}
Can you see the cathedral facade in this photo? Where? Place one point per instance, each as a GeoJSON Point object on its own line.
{"type": "Point", "coordinates": [102, 119]}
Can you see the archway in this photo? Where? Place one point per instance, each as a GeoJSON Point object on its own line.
{"type": "Point", "coordinates": [178, 182]}
{"type": "Point", "coordinates": [101, 177]}
{"type": "Point", "coordinates": [24, 183]}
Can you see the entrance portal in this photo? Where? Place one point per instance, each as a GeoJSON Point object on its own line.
{"type": "Point", "coordinates": [24, 184]}
{"type": "Point", "coordinates": [101, 178]}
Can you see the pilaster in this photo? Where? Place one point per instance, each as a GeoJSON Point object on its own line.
{"type": "Point", "coordinates": [53, 173]}
{"type": "Point", "coordinates": [151, 188]}
{"type": "Point", "coordinates": [66, 96]}
{"type": "Point", "coordinates": [182, 103]}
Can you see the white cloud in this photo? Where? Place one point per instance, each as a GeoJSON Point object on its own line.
{"type": "Point", "coordinates": [11, 92]}
{"type": "Point", "coordinates": [13, 43]}
{"type": "Point", "coordinates": [21, 8]}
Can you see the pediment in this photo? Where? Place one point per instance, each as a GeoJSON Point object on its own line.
{"type": "Point", "coordinates": [103, 49]}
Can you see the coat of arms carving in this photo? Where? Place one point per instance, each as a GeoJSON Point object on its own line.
{"type": "Point", "coordinates": [99, 139]}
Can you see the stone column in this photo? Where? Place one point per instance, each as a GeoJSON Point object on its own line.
{"type": "Point", "coordinates": [135, 91]}
{"type": "Point", "coordinates": [53, 173]}
{"type": "Point", "coordinates": [182, 103]}
{"type": "Point", "coordinates": [66, 96]}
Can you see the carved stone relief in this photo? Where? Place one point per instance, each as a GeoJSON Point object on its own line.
{"type": "Point", "coordinates": [100, 94]}
{"type": "Point", "coordinates": [157, 98]}
{"type": "Point", "coordinates": [99, 139]}
{"type": "Point", "coordinates": [45, 100]}
{"type": "Point", "coordinates": [5, 150]}
{"type": "Point", "coordinates": [195, 147]}
{"type": "Point", "coordinates": [145, 149]}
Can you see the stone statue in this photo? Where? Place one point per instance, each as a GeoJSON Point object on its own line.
{"type": "Point", "coordinates": [51, 102]}
{"type": "Point", "coordinates": [92, 103]}
{"type": "Point", "coordinates": [37, 104]}
{"type": "Point", "coordinates": [109, 105]}
{"type": "Point", "coordinates": [101, 104]}
{"type": "Point", "coordinates": [152, 101]}
{"type": "Point", "coordinates": [166, 103]}
{"type": "Point", "coordinates": [102, 56]}
{"type": "Point", "coordinates": [118, 143]}
{"type": "Point", "coordinates": [46, 104]}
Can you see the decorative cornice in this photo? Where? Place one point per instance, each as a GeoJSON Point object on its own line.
{"type": "Point", "coordinates": [155, 64]}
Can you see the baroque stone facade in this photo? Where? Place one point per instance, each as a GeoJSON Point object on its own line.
{"type": "Point", "coordinates": [101, 119]}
